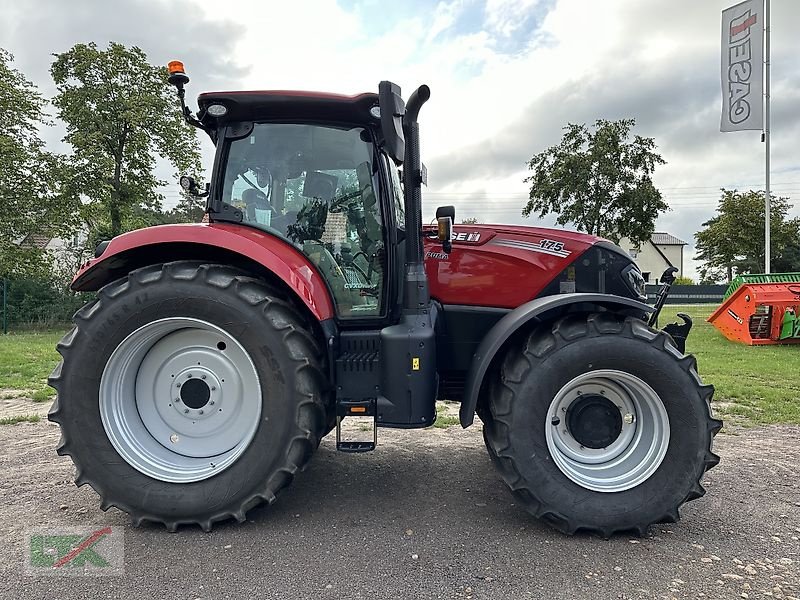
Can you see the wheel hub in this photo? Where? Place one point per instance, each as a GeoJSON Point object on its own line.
{"type": "Point", "coordinates": [198, 392]}
{"type": "Point", "coordinates": [195, 394]}
{"type": "Point", "coordinates": [594, 421]}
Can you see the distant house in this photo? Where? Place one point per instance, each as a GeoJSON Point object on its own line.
{"type": "Point", "coordinates": [654, 256]}
{"type": "Point", "coordinates": [53, 244]}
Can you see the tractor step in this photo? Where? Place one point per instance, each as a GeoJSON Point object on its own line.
{"type": "Point", "coordinates": [356, 408]}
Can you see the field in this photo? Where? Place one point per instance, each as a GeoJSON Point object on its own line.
{"type": "Point", "coordinates": [754, 385]}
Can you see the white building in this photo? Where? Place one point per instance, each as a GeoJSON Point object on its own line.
{"type": "Point", "coordinates": [654, 256]}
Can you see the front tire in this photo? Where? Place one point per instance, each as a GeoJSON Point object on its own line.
{"type": "Point", "coordinates": [188, 393]}
{"type": "Point", "coordinates": [599, 423]}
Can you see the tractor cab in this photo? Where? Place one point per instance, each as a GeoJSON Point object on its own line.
{"type": "Point", "coordinates": [315, 186]}
{"type": "Point", "coordinates": [314, 177]}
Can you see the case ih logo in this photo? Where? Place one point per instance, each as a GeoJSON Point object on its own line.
{"type": "Point", "coordinates": [741, 67]}
{"type": "Point", "coordinates": [464, 236]}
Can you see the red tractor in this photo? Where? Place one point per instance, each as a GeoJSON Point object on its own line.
{"type": "Point", "coordinates": [217, 355]}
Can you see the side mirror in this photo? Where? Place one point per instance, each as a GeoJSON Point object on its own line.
{"type": "Point", "coordinates": [668, 276]}
{"type": "Point", "coordinates": [445, 215]}
{"type": "Point", "coordinates": [190, 187]}
{"type": "Point", "coordinates": [392, 110]}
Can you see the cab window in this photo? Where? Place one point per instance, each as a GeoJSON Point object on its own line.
{"type": "Point", "coordinates": [315, 186]}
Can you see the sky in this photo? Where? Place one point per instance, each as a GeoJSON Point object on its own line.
{"type": "Point", "coordinates": [505, 75]}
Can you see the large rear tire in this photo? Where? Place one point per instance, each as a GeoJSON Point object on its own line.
{"type": "Point", "coordinates": [599, 423]}
{"type": "Point", "coordinates": [189, 393]}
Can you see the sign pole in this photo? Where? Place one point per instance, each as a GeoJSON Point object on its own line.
{"type": "Point", "coordinates": [767, 203]}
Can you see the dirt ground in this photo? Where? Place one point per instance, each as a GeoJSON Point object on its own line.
{"type": "Point", "coordinates": [424, 516]}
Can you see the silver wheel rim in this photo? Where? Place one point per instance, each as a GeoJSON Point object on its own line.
{"type": "Point", "coordinates": [633, 456]}
{"type": "Point", "coordinates": [180, 399]}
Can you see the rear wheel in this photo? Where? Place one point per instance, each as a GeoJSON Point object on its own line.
{"type": "Point", "coordinates": [188, 393]}
{"type": "Point", "coordinates": [600, 424]}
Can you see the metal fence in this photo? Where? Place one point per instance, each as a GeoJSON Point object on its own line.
{"type": "Point", "coordinates": [4, 304]}
{"type": "Point", "coordinates": [690, 294]}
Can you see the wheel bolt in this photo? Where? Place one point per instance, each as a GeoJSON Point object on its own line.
{"type": "Point", "coordinates": [563, 409]}
{"type": "Point", "coordinates": [177, 399]}
{"type": "Point", "coordinates": [555, 420]}
{"type": "Point", "coordinates": [213, 389]}
{"type": "Point", "coordinates": [201, 411]}
{"type": "Point", "coordinates": [628, 418]}
{"type": "Point", "coordinates": [203, 376]}
{"type": "Point", "coordinates": [174, 438]}
{"type": "Point", "coordinates": [185, 410]}
{"type": "Point", "coordinates": [211, 402]}
{"type": "Point", "coordinates": [178, 385]}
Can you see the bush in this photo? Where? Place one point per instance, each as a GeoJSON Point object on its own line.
{"type": "Point", "coordinates": [39, 302]}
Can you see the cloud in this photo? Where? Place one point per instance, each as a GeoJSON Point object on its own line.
{"type": "Point", "coordinates": [34, 31]}
{"type": "Point", "coordinates": [506, 76]}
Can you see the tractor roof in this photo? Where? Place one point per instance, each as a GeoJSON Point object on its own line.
{"type": "Point", "coordinates": [288, 104]}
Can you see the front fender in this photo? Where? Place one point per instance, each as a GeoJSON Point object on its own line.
{"type": "Point", "coordinates": [211, 242]}
{"type": "Point", "coordinates": [537, 310]}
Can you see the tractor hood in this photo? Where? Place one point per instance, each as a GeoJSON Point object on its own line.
{"type": "Point", "coordinates": [505, 266]}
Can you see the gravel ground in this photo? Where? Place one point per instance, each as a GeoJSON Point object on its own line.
{"type": "Point", "coordinates": [422, 517]}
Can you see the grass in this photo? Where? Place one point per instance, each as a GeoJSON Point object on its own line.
{"type": "Point", "coordinates": [443, 420]}
{"type": "Point", "coordinates": [754, 384]}
{"type": "Point", "coordinates": [26, 359]}
{"type": "Point", "coordinates": [20, 419]}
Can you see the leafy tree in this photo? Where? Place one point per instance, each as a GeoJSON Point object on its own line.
{"type": "Point", "coordinates": [599, 181]}
{"type": "Point", "coordinates": [120, 115]}
{"type": "Point", "coordinates": [31, 179]}
{"type": "Point", "coordinates": [732, 242]}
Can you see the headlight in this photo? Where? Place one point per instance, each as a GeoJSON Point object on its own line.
{"type": "Point", "coordinates": [635, 281]}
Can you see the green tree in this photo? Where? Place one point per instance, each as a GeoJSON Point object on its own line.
{"type": "Point", "coordinates": [732, 242]}
{"type": "Point", "coordinates": [32, 193]}
{"type": "Point", "coordinates": [599, 181]}
{"type": "Point", "coordinates": [120, 115]}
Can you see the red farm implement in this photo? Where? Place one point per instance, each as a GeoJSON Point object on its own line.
{"type": "Point", "coordinates": [760, 309]}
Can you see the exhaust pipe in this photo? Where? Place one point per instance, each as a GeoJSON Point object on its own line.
{"type": "Point", "coordinates": [416, 296]}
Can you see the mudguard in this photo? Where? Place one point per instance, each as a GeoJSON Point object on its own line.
{"type": "Point", "coordinates": [212, 242]}
{"type": "Point", "coordinates": [530, 313]}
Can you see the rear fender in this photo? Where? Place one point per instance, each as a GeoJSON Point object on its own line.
{"type": "Point", "coordinates": [539, 310]}
{"type": "Point", "coordinates": [239, 245]}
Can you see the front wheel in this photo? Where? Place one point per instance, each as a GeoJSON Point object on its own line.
{"type": "Point", "coordinates": [599, 423]}
{"type": "Point", "coordinates": [188, 393]}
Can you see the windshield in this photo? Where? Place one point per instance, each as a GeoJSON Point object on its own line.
{"type": "Point", "coordinates": [314, 185]}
